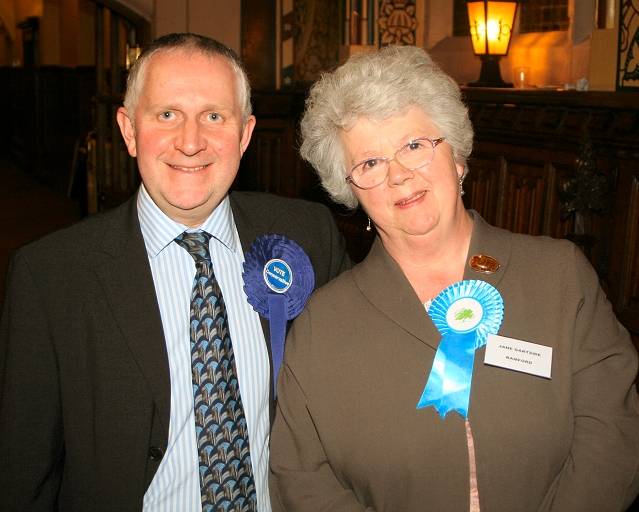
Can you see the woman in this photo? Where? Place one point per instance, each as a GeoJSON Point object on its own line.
{"type": "Point", "coordinates": [381, 405]}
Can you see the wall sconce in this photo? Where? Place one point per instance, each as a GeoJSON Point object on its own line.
{"type": "Point", "coordinates": [491, 26]}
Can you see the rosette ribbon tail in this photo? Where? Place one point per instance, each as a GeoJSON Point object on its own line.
{"type": "Point", "coordinates": [277, 324]}
{"type": "Point", "coordinates": [449, 383]}
{"type": "Point", "coordinates": [465, 314]}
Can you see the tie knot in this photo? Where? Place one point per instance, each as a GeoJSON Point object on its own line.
{"type": "Point", "coordinates": [197, 245]}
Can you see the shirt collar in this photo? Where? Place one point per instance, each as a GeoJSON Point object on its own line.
{"type": "Point", "coordinates": [159, 230]}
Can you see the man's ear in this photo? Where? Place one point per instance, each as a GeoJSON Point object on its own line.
{"type": "Point", "coordinates": [247, 131]}
{"type": "Point", "coordinates": [127, 130]}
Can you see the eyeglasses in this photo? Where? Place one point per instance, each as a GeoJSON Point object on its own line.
{"type": "Point", "coordinates": [372, 172]}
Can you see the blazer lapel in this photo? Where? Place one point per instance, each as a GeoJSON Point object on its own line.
{"type": "Point", "coordinates": [128, 284]}
{"type": "Point", "coordinates": [488, 241]}
{"type": "Point", "coordinates": [378, 274]}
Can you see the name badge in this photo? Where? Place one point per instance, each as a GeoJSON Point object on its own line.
{"type": "Point", "coordinates": [518, 355]}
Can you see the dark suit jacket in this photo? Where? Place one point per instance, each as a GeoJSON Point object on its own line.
{"type": "Point", "coordinates": [348, 435]}
{"type": "Point", "coordinates": [85, 388]}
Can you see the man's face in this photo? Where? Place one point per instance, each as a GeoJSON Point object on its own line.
{"type": "Point", "coordinates": [187, 132]}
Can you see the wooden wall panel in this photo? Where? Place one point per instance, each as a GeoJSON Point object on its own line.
{"type": "Point", "coordinates": [265, 155]}
{"type": "Point", "coordinates": [625, 292]}
{"type": "Point", "coordinates": [517, 190]}
{"type": "Point", "coordinates": [271, 162]}
{"type": "Point", "coordinates": [482, 187]}
{"type": "Point", "coordinates": [522, 198]}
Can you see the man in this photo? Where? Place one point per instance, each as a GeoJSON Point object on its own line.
{"type": "Point", "coordinates": [99, 365]}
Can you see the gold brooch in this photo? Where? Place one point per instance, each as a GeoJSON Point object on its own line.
{"type": "Point", "coordinates": [484, 264]}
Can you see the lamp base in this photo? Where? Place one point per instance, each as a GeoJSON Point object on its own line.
{"type": "Point", "coordinates": [490, 74]}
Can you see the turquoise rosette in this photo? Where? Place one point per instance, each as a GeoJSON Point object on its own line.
{"type": "Point", "coordinates": [465, 314]}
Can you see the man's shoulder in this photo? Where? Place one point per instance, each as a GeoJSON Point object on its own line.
{"type": "Point", "coordinates": [268, 212]}
{"type": "Point", "coordinates": [273, 204]}
{"type": "Point", "coordinates": [309, 224]}
{"type": "Point", "coordinates": [82, 237]}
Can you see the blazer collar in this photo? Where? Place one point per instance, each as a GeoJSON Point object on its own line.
{"type": "Point", "coordinates": [127, 282]}
{"type": "Point", "coordinates": [488, 240]}
{"type": "Point", "coordinates": [376, 276]}
{"type": "Point", "coordinates": [379, 273]}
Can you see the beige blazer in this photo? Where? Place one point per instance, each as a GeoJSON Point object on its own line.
{"type": "Point", "coordinates": [348, 436]}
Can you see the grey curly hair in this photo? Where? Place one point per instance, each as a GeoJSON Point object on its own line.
{"type": "Point", "coordinates": [377, 86]}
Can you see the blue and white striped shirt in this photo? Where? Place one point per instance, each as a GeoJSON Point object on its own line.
{"type": "Point", "coordinates": [176, 485]}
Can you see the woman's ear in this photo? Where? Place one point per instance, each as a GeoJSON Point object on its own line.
{"type": "Point", "coordinates": [462, 170]}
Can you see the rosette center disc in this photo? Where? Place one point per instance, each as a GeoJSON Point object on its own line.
{"type": "Point", "coordinates": [278, 275]}
{"type": "Point", "coordinates": [465, 314]}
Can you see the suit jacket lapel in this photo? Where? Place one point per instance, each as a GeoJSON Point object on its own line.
{"type": "Point", "coordinates": [128, 284]}
{"type": "Point", "coordinates": [248, 232]}
{"type": "Point", "coordinates": [245, 226]}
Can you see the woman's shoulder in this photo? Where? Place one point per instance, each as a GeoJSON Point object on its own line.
{"type": "Point", "coordinates": [537, 246]}
{"type": "Point", "coordinates": [532, 248]}
{"type": "Point", "coordinates": [545, 259]}
{"type": "Point", "coordinates": [336, 290]}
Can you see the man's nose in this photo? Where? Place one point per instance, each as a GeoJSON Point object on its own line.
{"type": "Point", "coordinates": [190, 139]}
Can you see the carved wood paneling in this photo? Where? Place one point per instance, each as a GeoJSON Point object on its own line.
{"type": "Point", "coordinates": [268, 157]}
{"type": "Point", "coordinates": [522, 198]}
{"type": "Point", "coordinates": [398, 22]}
{"type": "Point", "coordinates": [626, 246]}
{"type": "Point", "coordinates": [517, 189]}
{"type": "Point", "coordinates": [554, 119]}
{"type": "Point", "coordinates": [482, 187]}
{"type": "Point", "coordinates": [271, 162]}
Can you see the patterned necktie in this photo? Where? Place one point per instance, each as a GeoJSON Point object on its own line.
{"type": "Point", "coordinates": [226, 475]}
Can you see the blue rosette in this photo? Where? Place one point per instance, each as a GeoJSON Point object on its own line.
{"type": "Point", "coordinates": [465, 314]}
{"type": "Point", "coordinates": [278, 280]}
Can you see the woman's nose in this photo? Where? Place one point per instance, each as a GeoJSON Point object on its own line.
{"type": "Point", "coordinates": [397, 173]}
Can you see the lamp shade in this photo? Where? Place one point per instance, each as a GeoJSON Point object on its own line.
{"type": "Point", "coordinates": [491, 26]}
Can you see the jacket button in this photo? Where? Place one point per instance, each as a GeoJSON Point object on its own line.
{"type": "Point", "coordinates": [155, 453]}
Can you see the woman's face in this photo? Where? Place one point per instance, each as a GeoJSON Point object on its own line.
{"type": "Point", "coordinates": [407, 203]}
